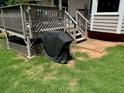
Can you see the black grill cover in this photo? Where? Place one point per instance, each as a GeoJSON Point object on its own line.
{"type": "Point", "coordinates": [56, 44]}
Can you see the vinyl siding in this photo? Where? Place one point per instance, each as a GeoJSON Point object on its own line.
{"type": "Point", "coordinates": [123, 26]}
{"type": "Point", "coordinates": [105, 23]}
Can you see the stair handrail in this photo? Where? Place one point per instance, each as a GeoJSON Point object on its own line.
{"type": "Point", "coordinates": [82, 16]}
{"type": "Point", "coordinates": [74, 22]}
{"type": "Point", "coordinates": [70, 17]}
{"type": "Point", "coordinates": [86, 23]}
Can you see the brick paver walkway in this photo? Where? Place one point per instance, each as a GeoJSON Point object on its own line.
{"type": "Point", "coordinates": [96, 48]}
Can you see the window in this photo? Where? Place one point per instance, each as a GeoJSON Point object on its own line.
{"type": "Point", "coordinates": [108, 5]}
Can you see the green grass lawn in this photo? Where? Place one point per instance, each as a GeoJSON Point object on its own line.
{"type": "Point", "coordinates": [40, 75]}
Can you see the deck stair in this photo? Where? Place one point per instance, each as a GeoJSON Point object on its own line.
{"type": "Point", "coordinates": [79, 36]}
{"type": "Point", "coordinates": [76, 28]}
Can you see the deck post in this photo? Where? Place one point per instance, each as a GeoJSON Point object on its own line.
{"type": "Point", "coordinates": [5, 32]}
{"type": "Point", "coordinates": [25, 32]}
{"type": "Point", "coordinates": [7, 40]}
{"type": "Point", "coordinates": [86, 34]}
{"type": "Point", "coordinates": [28, 46]}
{"type": "Point", "coordinates": [30, 22]}
{"type": "Point", "coordinates": [60, 8]}
{"type": "Point", "coordinates": [65, 22]}
{"type": "Point", "coordinates": [77, 18]}
{"type": "Point", "coordinates": [23, 18]}
{"type": "Point", "coordinates": [60, 4]}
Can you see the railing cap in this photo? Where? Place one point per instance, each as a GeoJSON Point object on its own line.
{"type": "Point", "coordinates": [23, 4]}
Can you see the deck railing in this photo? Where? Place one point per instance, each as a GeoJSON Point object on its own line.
{"type": "Point", "coordinates": [44, 18]}
{"type": "Point", "coordinates": [28, 22]}
{"type": "Point", "coordinates": [11, 19]}
{"type": "Point", "coordinates": [28, 19]}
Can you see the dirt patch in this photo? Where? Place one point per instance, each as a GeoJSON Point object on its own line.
{"type": "Point", "coordinates": [95, 48]}
{"type": "Point", "coordinates": [90, 52]}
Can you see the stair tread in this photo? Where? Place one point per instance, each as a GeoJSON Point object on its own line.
{"type": "Point", "coordinates": [79, 33]}
{"type": "Point", "coordinates": [80, 39]}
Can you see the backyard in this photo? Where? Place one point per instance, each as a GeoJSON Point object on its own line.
{"type": "Point", "coordinates": [41, 75]}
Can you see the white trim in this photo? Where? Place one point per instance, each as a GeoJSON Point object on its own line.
{"type": "Point", "coordinates": [121, 14]}
{"type": "Point", "coordinates": [94, 10]}
{"type": "Point", "coordinates": [112, 32]}
{"type": "Point", "coordinates": [110, 12]}
{"type": "Point", "coordinates": [107, 13]}
{"type": "Point", "coordinates": [120, 6]}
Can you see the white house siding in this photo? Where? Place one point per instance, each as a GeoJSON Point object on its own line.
{"type": "Point", "coordinates": [123, 26]}
{"type": "Point", "coordinates": [105, 23]}
{"type": "Point", "coordinates": [77, 4]}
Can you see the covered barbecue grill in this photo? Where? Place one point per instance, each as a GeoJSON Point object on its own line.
{"type": "Point", "coordinates": [56, 44]}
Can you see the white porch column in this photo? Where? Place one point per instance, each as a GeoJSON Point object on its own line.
{"type": "Point", "coordinates": [121, 15]}
{"type": "Point", "coordinates": [93, 12]}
